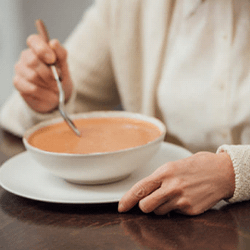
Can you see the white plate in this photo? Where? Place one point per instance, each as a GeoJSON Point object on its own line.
{"type": "Point", "coordinates": [21, 175]}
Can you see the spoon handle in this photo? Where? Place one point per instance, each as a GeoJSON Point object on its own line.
{"type": "Point", "coordinates": [41, 28]}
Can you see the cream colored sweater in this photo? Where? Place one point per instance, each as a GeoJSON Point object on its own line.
{"type": "Point", "coordinates": [185, 62]}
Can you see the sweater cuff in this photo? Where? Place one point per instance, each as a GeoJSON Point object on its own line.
{"type": "Point", "coordinates": [240, 156]}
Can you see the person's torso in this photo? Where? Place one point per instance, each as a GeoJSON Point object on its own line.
{"type": "Point", "coordinates": [192, 61]}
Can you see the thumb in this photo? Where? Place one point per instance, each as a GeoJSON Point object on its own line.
{"type": "Point", "coordinates": [62, 66]}
{"type": "Point", "coordinates": [61, 53]}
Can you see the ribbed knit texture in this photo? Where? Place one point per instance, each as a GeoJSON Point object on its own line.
{"type": "Point", "coordinates": [240, 156]}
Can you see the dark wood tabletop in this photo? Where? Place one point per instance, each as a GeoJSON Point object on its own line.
{"type": "Point", "coordinates": [29, 224]}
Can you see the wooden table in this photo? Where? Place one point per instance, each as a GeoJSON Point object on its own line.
{"type": "Point", "coordinates": [28, 224]}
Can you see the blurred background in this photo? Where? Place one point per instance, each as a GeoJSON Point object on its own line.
{"type": "Point", "coordinates": [17, 18]}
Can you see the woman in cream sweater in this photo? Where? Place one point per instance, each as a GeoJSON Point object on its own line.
{"type": "Point", "coordinates": [185, 62]}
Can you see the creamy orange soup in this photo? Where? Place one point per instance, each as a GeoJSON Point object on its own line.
{"type": "Point", "coordinates": [97, 135]}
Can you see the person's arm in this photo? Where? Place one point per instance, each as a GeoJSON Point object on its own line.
{"type": "Point", "coordinates": [36, 94]}
{"type": "Point", "coordinates": [89, 70]}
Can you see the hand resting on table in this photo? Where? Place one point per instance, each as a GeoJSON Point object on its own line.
{"type": "Point", "coordinates": [189, 186]}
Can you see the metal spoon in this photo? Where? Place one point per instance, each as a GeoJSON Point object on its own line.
{"type": "Point", "coordinates": [41, 28]}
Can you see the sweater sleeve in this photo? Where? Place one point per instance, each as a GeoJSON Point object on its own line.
{"type": "Point", "coordinates": [90, 60]}
{"type": "Point", "coordinates": [16, 116]}
{"type": "Point", "coordinates": [90, 66]}
{"type": "Point", "coordinates": [240, 156]}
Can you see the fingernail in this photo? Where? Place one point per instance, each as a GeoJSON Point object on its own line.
{"type": "Point", "coordinates": [121, 208]}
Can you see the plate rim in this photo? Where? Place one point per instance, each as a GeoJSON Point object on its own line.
{"type": "Point", "coordinates": [7, 163]}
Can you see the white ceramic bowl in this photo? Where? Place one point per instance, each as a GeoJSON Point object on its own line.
{"type": "Point", "coordinates": [96, 168]}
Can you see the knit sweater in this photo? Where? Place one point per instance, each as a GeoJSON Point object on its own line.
{"type": "Point", "coordinates": [121, 53]}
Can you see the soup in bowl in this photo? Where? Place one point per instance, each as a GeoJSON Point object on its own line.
{"type": "Point", "coordinates": [112, 145]}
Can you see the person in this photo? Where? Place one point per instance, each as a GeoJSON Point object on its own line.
{"type": "Point", "coordinates": [184, 62]}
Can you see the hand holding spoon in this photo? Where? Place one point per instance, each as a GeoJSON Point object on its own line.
{"type": "Point", "coordinates": [40, 26]}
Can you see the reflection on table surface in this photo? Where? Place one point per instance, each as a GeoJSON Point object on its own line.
{"type": "Point", "coordinates": [28, 224]}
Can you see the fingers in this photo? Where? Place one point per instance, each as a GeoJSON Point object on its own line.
{"type": "Point", "coordinates": [39, 99]}
{"type": "Point", "coordinates": [61, 54]}
{"type": "Point", "coordinates": [178, 204]}
{"type": "Point", "coordinates": [181, 206]}
{"type": "Point", "coordinates": [37, 73]}
{"type": "Point", "coordinates": [164, 208]}
{"type": "Point", "coordinates": [148, 192]}
{"type": "Point", "coordinates": [28, 89]}
{"type": "Point", "coordinates": [48, 53]}
{"type": "Point", "coordinates": [138, 192]}
{"type": "Point", "coordinates": [152, 197]}
{"type": "Point", "coordinates": [154, 200]}
{"type": "Point", "coordinates": [34, 78]}
{"type": "Point", "coordinates": [24, 87]}
{"type": "Point", "coordinates": [42, 49]}
{"type": "Point", "coordinates": [60, 51]}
